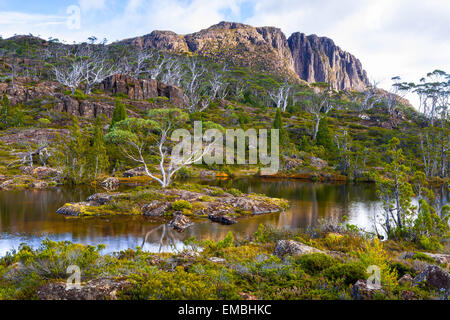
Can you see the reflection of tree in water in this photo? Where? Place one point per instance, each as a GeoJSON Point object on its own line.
{"type": "Point", "coordinates": [167, 237]}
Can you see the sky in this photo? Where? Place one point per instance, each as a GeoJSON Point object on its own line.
{"type": "Point", "coordinates": [406, 38]}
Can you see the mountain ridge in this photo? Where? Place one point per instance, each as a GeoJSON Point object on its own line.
{"type": "Point", "coordinates": [301, 57]}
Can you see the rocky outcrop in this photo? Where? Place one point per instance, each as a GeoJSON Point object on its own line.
{"type": "Point", "coordinates": [155, 208]}
{"type": "Point", "coordinates": [136, 172]}
{"type": "Point", "coordinates": [365, 290]}
{"type": "Point", "coordinates": [110, 183]}
{"type": "Point", "coordinates": [142, 89]}
{"type": "Point", "coordinates": [180, 222]}
{"type": "Point", "coordinates": [266, 49]}
{"type": "Point", "coordinates": [98, 289]}
{"type": "Point", "coordinates": [84, 108]}
{"type": "Point", "coordinates": [43, 172]}
{"type": "Point", "coordinates": [222, 207]}
{"type": "Point", "coordinates": [318, 59]}
{"type": "Point", "coordinates": [161, 40]}
{"type": "Point", "coordinates": [434, 277]}
{"type": "Point", "coordinates": [293, 248]}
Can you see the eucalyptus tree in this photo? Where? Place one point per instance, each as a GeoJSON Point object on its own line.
{"type": "Point", "coordinates": [318, 102]}
{"type": "Point", "coordinates": [433, 92]}
{"type": "Point", "coordinates": [281, 95]}
{"type": "Point", "coordinates": [97, 65]}
{"type": "Point", "coordinates": [147, 142]}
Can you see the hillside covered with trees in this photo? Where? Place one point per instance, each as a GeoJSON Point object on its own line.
{"type": "Point", "coordinates": [102, 114]}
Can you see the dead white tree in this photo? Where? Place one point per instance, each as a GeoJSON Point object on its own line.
{"type": "Point", "coordinates": [318, 103]}
{"type": "Point", "coordinates": [218, 86]}
{"type": "Point", "coordinates": [173, 72]}
{"type": "Point", "coordinates": [137, 147]}
{"type": "Point", "coordinates": [193, 85]}
{"type": "Point", "coordinates": [370, 97]}
{"type": "Point", "coordinates": [97, 67]}
{"type": "Point", "coordinates": [281, 96]}
{"type": "Point", "coordinates": [70, 74]}
{"type": "Point", "coordinates": [157, 66]}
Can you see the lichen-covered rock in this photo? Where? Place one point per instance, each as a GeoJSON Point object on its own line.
{"type": "Point", "coordinates": [434, 277]}
{"type": "Point", "coordinates": [39, 184]}
{"type": "Point", "coordinates": [406, 280]}
{"type": "Point", "coordinates": [42, 172]}
{"type": "Point", "coordinates": [221, 218]}
{"type": "Point", "coordinates": [180, 222]}
{"type": "Point", "coordinates": [155, 208]}
{"type": "Point", "coordinates": [98, 289]}
{"type": "Point", "coordinates": [73, 209]}
{"type": "Point", "coordinates": [6, 184]}
{"type": "Point", "coordinates": [110, 183]}
{"type": "Point", "coordinates": [440, 258]}
{"type": "Point", "coordinates": [102, 198]}
{"type": "Point", "coordinates": [136, 172]}
{"type": "Point", "coordinates": [143, 89]}
{"type": "Point", "coordinates": [293, 248]}
{"type": "Point", "coordinates": [217, 260]}
{"type": "Point", "coordinates": [366, 290]}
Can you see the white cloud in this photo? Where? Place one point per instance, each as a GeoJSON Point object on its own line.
{"type": "Point", "coordinates": [403, 37]}
{"type": "Point", "coordinates": [92, 5]}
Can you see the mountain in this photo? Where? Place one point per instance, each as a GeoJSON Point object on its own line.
{"type": "Point", "coordinates": [310, 58]}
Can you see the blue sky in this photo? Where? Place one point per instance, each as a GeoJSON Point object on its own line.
{"type": "Point", "coordinates": [390, 37]}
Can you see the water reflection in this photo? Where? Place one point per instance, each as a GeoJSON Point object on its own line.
{"type": "Point", "coordinates": [29, 216]}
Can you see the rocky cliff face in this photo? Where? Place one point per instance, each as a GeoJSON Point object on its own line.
{"type": "Point", "coordinates": [310, 58]}
{"type": "Point", "coordinates": [318, 59]}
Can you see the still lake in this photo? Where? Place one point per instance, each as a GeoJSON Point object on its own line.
{"type": "Point", "coordinates": [28, 216]}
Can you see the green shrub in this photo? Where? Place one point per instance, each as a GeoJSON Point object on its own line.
{"type": "Point", "coordinates": [315, 262]}
{"type": "Point", "coordinates": [177, 285]}
{"type": "Point", "coordinates": [235, 192]}
{"type": "Point", "coordinates": [179, 205]}
{"type": "Point", "coordinates": [402, 269]}
{"type": "Point", "coordinates": [430, 243]}
{"type": "Point", "coordinates": [347, 272]}
{"type": "Point", "coordinates": [423, 257]}
{"type": "Point", "coordinates": [44, 122]}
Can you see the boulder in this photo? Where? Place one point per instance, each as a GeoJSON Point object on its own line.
{"type": "Point", "coordinates": [223, 219]}
{"type": "Point", "coordinates": [293, 248]}
{"type": "Point", "coordinates": [42, 172]}
{"type": "Point", "coordinates": [406, 280]}
{"type": "Point", "coordinates": [39, 184]}
{"type": "Point", "coordinates": [6, 184]}
{"type": "Point", "coordinates": [180, 222]}
{"type": "Point", "coordinates": [252, 205]}
{"type": "Point", "coordinates": [318, 163]}
{"type": "Point", "coordinates": [102, 198]}
{"type": "Point", "coordinates": [408, 295]}
{"type": "Point", "coordinates": [440, 258]}
{"type": "Point", "coordinates": [435, 277]}
{"type": "Point", "coordinates": [247, 296]}
{"type": "Point", "coordinates": [73, 209]}
{"type": "Point", "coordinates": [217, 260]}
{"type": "Point", "coordinates": [110, 183]}
{"type": "Point", "coordinates": [143, 89]}
{"type": "Point", "coordinates": [155, 208]}
{"type": "Point", "coordinates": [365, 290]}
{"type": "Point", "coordinates": [98, 289]}
{"type": "Point", "coordinates": [136, 172]}
{"type": "Point", "coordinates": [291, 164]}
